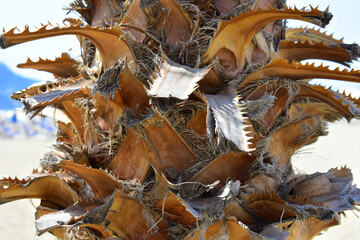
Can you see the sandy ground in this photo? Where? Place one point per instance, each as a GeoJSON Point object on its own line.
{"type": "Point", "coordinates": [19, 158]}
{"type": "Point", "coordinates": [341, 147]}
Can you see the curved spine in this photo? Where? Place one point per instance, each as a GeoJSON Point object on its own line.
{"type": "Point", "coordinates": [107, 40]}
{"type": "Point", "coordinates": [237, 33]}
{"type": "Point", "coordinates": [283, 69]}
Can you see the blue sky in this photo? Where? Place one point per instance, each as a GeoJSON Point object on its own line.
{"type": "Point", "coordinates": [21, 12]}
{"type": "Point", "coordinates": [343, 24]}
{"type": "Point", "coordinates": [18, 13]}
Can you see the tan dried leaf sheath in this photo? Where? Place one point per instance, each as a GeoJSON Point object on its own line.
{"type": "Point", "coordinates": [182, 120]}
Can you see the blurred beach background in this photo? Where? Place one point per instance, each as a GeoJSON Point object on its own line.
{"type": "Point", "coordinates": [19, 155]}
{"type": "Point", "coordinates": [23, 142]}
